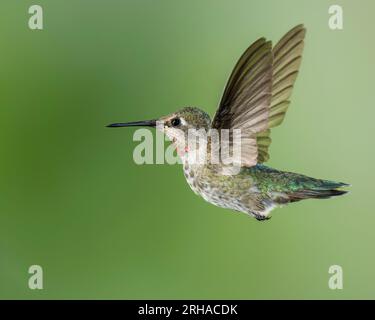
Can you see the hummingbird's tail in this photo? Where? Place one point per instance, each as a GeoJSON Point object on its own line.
{"type": "Point", "coordinates": [290, 187]}
{"type": "Point", "coordinates": [322, 191]}
{"type": "Point", "coordinates": [281, 187]}
{"type": "Point", "coordinates": [318, 189]}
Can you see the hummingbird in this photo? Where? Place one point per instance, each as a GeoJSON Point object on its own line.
{"type": "Point", "coordinates": [255, 100]}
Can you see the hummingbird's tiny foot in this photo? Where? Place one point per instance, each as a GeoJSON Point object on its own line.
{"type": "Point", "coordinates": [260, 217]}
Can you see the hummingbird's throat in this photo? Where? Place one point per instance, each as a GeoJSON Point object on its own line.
{"type": "Point", "coordinates": [181, 150]}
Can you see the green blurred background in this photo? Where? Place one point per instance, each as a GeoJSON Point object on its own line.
{"type": "Point", "coordinates": [73, 201]}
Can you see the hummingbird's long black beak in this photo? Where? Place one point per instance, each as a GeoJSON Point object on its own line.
{"type": "Point", "coordinates": [145, 123]}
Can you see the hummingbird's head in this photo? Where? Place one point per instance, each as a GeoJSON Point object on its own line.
{"type": "Point", "coordinates": [176, 125]}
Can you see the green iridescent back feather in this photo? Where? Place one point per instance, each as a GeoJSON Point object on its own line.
{"type": "Point", "coordinates": [269, 180]}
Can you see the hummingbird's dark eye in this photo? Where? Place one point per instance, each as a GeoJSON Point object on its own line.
{"type": "Point", "coordinates": [175, 122]}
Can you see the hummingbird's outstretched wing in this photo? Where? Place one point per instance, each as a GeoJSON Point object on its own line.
{"type": "Point", "coordinates": [287, 57]}
{"type": "Point", "coordinates": [257, 94]}
{"type": "Point", "coordinates": [247, 98]}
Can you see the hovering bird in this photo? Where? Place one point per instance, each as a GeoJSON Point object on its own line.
{"type": "Point", "coordinates": [255, 100]}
